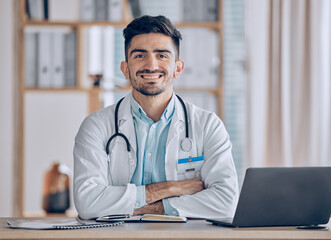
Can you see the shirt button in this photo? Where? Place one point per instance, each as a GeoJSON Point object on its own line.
{"type": "Point", "coordinates": [137, 204]}
{"type": "Point", "coordinates": [153, 126]}
{"type": "Point", "coordinates": [131, 162]}
{"type": "Point", "coordinates": [146, 180]}
{"type": "Point", "coordinates": [174, 213]}
{"type": "Point", "coordinates": [149, 154]}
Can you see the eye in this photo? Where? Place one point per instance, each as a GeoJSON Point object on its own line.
{"type": "Point", "coordinates": [163, 56]}
{"type": "Point", "coordinates": [139, 56]}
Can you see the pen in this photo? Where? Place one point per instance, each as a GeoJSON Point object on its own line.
{"type": "Point", "coordinates": [115, 216]}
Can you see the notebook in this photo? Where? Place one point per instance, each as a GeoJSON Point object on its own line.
{"type": "Point", "coordinates": [143, 218]}
{"type": "Point", "coordinates": [56, 223]}
{"type": "Point", "coordinates": [298, 196]}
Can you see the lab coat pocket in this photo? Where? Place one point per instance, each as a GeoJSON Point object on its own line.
{"type": "Point", "coordinates": [190, 167]}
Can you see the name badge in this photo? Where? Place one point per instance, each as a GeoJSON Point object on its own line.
{"type": "Point", "coordinates": [192, 164]}
{"type": "Point", "coordinates": [191, 159]}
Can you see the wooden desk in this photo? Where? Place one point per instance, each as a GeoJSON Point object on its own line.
{"type": "Point", "coordinates": [193, 229]}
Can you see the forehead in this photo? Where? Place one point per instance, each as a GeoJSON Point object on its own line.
{"type": "Point", "coordinates": [152, 41]}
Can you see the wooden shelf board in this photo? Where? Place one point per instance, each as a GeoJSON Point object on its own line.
{"type": "Point", "coordinates": [209, 25]}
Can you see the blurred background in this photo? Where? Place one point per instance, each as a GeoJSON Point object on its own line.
{"type": "Point", "coordinates": [264, 66]}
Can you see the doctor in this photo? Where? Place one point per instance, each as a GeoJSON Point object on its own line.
{"type": "Point", "coordinates": [152, 153]}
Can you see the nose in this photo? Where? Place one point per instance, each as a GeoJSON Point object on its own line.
{"type": "Point", "coordinates": [151, 63]}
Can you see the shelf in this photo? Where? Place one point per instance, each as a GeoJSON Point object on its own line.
{"type": "Point", "coordinates": [209, 90]}
{"type": "Point", "coordinates": [56, 89]}
{"type": "Point", "coordinates": [209, 25]}
{"type": "Point", "coordinates": [73, 24]}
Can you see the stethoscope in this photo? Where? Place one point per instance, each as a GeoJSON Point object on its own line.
{"type": "Point", "coordinates": [185, 144]}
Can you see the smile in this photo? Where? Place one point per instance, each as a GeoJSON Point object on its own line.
{"type": "Point", "coordinates": [151, 77]}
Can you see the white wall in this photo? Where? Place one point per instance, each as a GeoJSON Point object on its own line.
{"type": "Point", "coordinates": [6, 108]}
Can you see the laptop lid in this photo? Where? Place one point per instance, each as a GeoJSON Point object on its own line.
{"type": "Point", "coordinates": [298, 196]}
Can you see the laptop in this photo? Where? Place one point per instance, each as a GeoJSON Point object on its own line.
{"type": "Point", "coordinates": [297, 196]}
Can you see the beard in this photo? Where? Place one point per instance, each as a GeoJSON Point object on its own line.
{"type": "Point", "coordinates": [149, 88]}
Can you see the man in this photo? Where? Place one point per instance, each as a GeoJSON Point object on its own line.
{"type": "Point", "coordinates": [152, 165]}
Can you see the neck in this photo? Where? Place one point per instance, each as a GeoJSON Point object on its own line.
{"type": "Point", "coordinates": [153, 106]}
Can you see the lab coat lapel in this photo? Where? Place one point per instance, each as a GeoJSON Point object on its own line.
{"type": "Point", "coordinates": [126, 125]}
{"type": "Point", "coordinates": [177, 123]}
{"type": "Point", "coordinates": [177, 126]}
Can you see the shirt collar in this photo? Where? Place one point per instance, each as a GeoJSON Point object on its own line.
{"type": "Point", "coordinates": [137, 110]}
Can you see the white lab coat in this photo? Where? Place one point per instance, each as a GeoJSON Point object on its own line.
{"type": "Point", "coordinates": [102, 185]}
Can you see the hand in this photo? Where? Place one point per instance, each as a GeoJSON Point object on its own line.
{"type": "Point", "coordinates": [153, 208]}
{"type": "Point", "coordinates": [158, 191]}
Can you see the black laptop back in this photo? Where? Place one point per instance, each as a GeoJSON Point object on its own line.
{"type": "Point", "coordinates": [298, 196]}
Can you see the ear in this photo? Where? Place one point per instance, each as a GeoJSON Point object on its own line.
{"type": "Point", "coordinates": [179, 68]}
{"type": "Point", "coordinates": [125, 69]}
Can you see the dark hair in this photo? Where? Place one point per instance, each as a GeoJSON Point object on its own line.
{"type": "Point", "coordinates": [150, 24]}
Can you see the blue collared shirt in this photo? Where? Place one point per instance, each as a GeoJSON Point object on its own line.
{"type": "Point", "coordinates": [151, 147]}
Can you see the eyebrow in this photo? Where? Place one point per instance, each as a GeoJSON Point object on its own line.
{"type": "Point", "coordinates": [144, 51]}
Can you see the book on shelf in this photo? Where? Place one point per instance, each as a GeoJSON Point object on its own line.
{"type": "Point", "coordinates": [57, 60]}
{"type": "Point", "coordinates": [87, 10]}
{"type": "Point", "coordinates": [177, 10]}
{"type": "Point", "coordinates": [44, 59]}
{"type": "Point", "coordinates": [108, 57]}
{"type": "Point", "coordinates": [143, 218]}
{"type": "Point", "coordinates": [115, 10]}
{"type": "Point", "coordinates": [37, 9]}
{"type": "Point", "coordinates": [50, 58]}
{"type": "Point", "coordinates": [103, 51]}
{"type": "Point", "coordinates": [70, 61]}
{"type": "Point", "coordinates": [30, 59]}
{"type": "Point", "coordinates": [202, 64]}
{"type": "Point", "coordinates": [101, 10]}
{"type": "Point", "coordinates": [64, 10]}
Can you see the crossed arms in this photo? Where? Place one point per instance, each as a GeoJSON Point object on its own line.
{"type": "Point", "coordinates": [157, 191]}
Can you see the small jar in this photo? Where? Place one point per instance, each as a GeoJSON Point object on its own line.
{"type": "Point", "coordinates": [56, 194]}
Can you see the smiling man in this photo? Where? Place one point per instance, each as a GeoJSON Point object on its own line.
{"type": "Point", "coordinates": [152, 152]}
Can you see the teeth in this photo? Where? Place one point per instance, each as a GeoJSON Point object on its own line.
{"type": "Point", "coordinates": [150, 77]}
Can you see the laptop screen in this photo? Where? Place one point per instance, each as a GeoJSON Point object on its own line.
{"type": "Point", "coordinates": [284, 197]}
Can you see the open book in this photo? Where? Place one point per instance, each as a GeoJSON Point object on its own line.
{"type": "Point", "coordinates": [143, 218]}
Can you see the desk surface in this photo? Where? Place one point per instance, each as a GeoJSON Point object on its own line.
{"type": "Point", "coordinates": [193, 229]}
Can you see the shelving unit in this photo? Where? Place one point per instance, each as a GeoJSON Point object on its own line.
{"type": "Point", "coordinates": [92, 93]}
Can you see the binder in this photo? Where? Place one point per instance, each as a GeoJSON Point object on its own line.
{"type": "Point", "coordinates": [44, 59]}
{"type": "Point", "coordinates": [87, 10]}
{"type": "Point", "coordinates": [101, 7]}
{"type": "Point", "coordinates": [64, 10]}
{"type": "Point", "coordinates": [57, 66]}
{"type": "Point", "coordinates": [115, 10]}
{"type": "Point", "coordinates": [36, 9]}
{"type": "Point", "coordinates": [30, 59]}
{"type": "Point", "coordinates": [95, 48]}
{"type": "Point", "coordinates": [108, 57]}
{"type": "Point", "coordinates": [70, 59]}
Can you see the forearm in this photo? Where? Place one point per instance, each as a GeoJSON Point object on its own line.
{"type": "Point", "coordinates": [159, 191]}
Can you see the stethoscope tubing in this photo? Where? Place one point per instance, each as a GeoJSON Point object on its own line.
{"type": "Point", "coordinates": [185, 148]}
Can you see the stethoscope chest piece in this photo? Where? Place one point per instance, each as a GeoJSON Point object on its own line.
{"type": "Point", "coordinates": [186, 144]}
